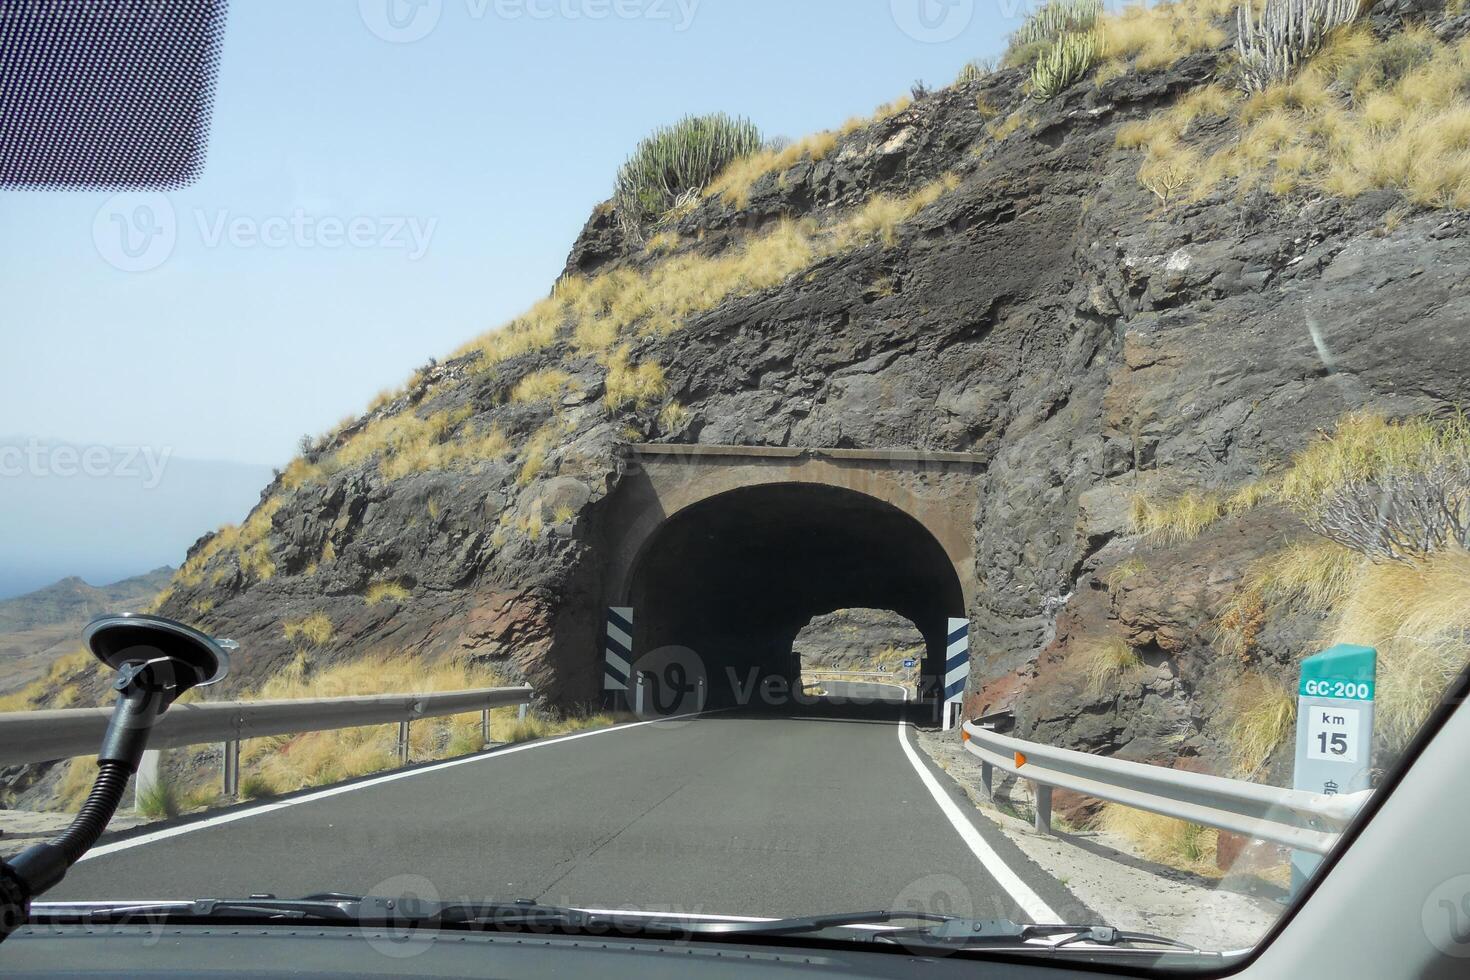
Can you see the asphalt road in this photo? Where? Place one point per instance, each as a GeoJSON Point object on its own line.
{"type": "Point", "coordinates": [819, 808]}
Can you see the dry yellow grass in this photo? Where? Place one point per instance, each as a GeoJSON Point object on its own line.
{"type": "Point", "coordinates": [672, 416]}
{"type": "Point", "coordinates": [1415, 613]}
{"type": "Point", "coordinates": [41, 692]}
{"type": "Point", "coordinates": [1165, 840]}
{"type": "Point", "coordinates": [1316, 573]}
{"type": "Point", "coordinates": [1418, 618]}
{"type": "Point", "coordinates": [1107, 663]}
{"type": "Point", "coordinates": [410, 443]}
{"type": "Point", "coordinates": [662, 242]}
{"type": "Point", "coordinates": [1124, 571]}
{"type": "Point", "coordinates": [735, 182]}
{"type": "Point", "coordinates": [1157, 35]}
{"type": "Point", "coordinates": [1365, 114]}
{"type": "Point", "coordinates": [315, 629]}
{"type": "Point", "coordinates": [271, 766]}
{"type": "Point", "coordinates": [882, 215]}
{"type": "Point", "coordinates": [1175, 521]}
{"type": "Point", "coordinates": [633, 384]}
{"type": "Point", "coordinates": [1262, 713]}
{"type": "Point", "coordinates": [541, 385]}
{"type": "Point", "coordinates": [535, 452]}
{"type": "Point", "coordinates": [1363, 446]}
{"type": "Point", "coordinates": [385, 592]}
{"type": "Point", "coordinates": [534, 330]}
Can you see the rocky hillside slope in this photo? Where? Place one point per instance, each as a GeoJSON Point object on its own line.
{"type": "Point", "coordinates": [41, 626]}
{"type": "Point", "coordinates": [1138, 301]}
{"type": "Point", "coordinates": [72, 601]}
{"type": "Point", "coordinates": [858, 639]}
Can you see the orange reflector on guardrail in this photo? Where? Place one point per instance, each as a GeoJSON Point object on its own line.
{"type": "Point", "coordinates": [964, 735]}
{"type": "Point", "coordinates": [1020, 760]}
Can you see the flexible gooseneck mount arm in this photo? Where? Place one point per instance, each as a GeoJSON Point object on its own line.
{"type": "Point", "coordinates": [157, 660]}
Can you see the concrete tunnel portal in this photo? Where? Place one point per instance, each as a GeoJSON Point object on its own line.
{"type": "Point", "coordinates": [735, 577]}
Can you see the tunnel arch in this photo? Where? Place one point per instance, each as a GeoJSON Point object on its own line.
{"type": "Point", "coordinates": [735, 576]}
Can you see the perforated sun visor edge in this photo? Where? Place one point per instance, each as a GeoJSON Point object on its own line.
{"type": "Point", "coordinates": [108, 95]}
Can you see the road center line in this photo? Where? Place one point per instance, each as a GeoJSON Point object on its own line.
{"type": "Point", "coordinates": [256, 811]}
{"type": "Point", "coordinates": [1028, 900]}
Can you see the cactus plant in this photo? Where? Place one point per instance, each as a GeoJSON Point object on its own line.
{"type": "Point", "coordinates": [1287, 33]}
{"type": "Point", "coordinates": [974, 70]}
{"type": "Point", "coordinates": [1061, 64]}
{"type": "Point", "coordinates": [1043, 28]}
{"type": "Point", "coordinates": [677, 159]}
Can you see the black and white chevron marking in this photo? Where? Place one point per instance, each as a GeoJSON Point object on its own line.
{"type": "Point", "coordinates": [617, 661]}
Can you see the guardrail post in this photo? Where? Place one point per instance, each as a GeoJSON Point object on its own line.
{"type": "Point", "coordinates": [147, 775]}
{"type": "Point", "coordinates": [521, 712]}
{"type": "Point", "coordinates": [1043, 808]}
{"type": "Point", "coordinates": [485, 726]}
{"type": "Point", "coordinates": [987, 777]}
{"type": "Point", "coordinates": [403, 743]}
{"type": "Point", "coordinates": [232, 769]}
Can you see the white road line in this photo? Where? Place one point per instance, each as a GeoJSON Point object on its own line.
{"type": "Point", "coordinates": [1029, 902]}
{"type": "Point", "coordinates": [256, 811]}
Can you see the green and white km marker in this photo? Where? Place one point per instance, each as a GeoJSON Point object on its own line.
{"type": "Point", "coordinates": [1334, 731]}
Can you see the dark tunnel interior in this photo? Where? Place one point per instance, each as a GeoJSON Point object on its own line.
{"type": "Point", "coordinates": [734, 578]}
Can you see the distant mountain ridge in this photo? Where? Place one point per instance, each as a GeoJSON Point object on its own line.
{"type": "Point", "coordinates": [73, 600]}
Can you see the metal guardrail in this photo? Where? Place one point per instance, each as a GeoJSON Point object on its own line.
{"type": "Point", "coordinates": [1293, 818]}
{"type": "Point", "coordinates": [45, 736]}
{"type": "Point", "coordinates": [854, 673]}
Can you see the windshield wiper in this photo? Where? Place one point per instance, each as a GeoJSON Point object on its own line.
{"type": "Point", "coordinates": [947, 931]}
{"type": "Point", "coordinates": [939, 931]}
{"type": "Point", "coordinates": [963, 933]}
{"type": "Point", "coordinates": [328, 907]}
{"type": "Point", "coordinates": [263, 909]}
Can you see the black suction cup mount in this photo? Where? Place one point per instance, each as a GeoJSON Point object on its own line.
{"type": "Point", "coordinates": [178, 657]}
{"type": "Point", "coordinates": [156, 660]}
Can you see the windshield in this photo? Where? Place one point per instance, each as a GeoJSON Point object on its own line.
{"type": "Point", "coordinates": [764, 460]}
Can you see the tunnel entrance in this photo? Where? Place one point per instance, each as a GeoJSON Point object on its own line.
{"type": "Point", "coordinates": [735, 577]}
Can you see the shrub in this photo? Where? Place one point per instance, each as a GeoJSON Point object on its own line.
{"type": "Point", "coordinates": [257, 786]}
{"type": "Point", "coordinates": [161, 800]}
{"type": "Point", "coordinates": [678, 159]}
{"type": "Point", "coordinates": [1063, 63]}
{"type": "Point", "coordinates": [1288, 32]}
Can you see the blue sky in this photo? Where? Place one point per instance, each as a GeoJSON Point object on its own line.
{"type": "Point", "coordinates": [468, 159]}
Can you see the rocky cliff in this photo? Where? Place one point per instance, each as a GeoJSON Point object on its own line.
{"type": "Point", "coordinates": [972, 270]}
